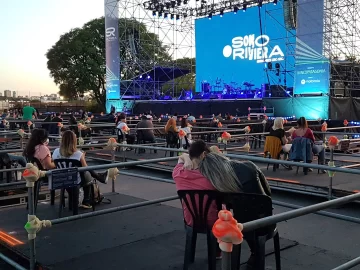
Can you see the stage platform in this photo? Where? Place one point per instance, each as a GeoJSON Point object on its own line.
{"type": "Point", "coordinates": [343, 184]}
{"type": "Point", "coordinates": [152, 237]}
{"type": "Point", "coordinates": [197, 107]}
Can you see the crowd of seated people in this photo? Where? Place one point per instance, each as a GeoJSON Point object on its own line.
{"type": "Point", "coordinates": [295, 140]}
{"type": "Point", "coordinates": [38, 152]}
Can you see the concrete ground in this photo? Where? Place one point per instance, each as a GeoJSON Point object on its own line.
{"type": "Point", "coordinates": [152, 237]}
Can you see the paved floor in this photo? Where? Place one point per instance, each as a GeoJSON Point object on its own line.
{"type": "Point", "coordinates": [342, 183]}
{"type": "Point", "coordinates": [152, 237]}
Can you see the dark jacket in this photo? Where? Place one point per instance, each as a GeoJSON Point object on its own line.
{"type": "Point", "coordinates": [301, 150]}
{"type": "Point", "coordinates": [147, 134]}
{"type": "Point", "coordinates": [251, 178]}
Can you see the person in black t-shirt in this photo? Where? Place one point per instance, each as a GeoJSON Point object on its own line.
{"type": "Point", "coordinates": [277, 130]}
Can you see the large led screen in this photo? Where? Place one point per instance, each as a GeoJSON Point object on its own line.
{"type": "Point", "coordinates": [247, 48]}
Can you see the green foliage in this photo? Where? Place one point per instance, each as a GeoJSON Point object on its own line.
{"type": "Point", "coordinates": [187, 81]}
{"type": "Point", "coordinates": [93, 106]}
{"type": "Point", "coordinates": [77, 60]}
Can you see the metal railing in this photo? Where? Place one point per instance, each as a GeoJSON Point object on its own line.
{"type": "Point", "coordinates": [247, 226]}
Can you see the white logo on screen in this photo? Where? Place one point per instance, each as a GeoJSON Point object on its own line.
{"type": "Point", "coordinates": [253, 49]}
{"type": "Point", "coordinates": [303, 81]}
{"type": "Point", "coordinates": [110, 32]}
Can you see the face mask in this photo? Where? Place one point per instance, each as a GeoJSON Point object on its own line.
{"type": "Point", "coordinates": [47, 141]}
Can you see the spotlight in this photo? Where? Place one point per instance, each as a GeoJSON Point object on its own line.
{"type": "Point", "coordinates": [221, 13]}
{"type": "Point", "coordinates": [275, 2]}
{"type": "Point", "coordinates": [244, 7]}
{"type": "Point", "coordinates": [165, 15]}
{"type": "Point", "coordinates": [236, 9]}
{"type": "Point", "coordinates": [148, 77]}
{"type": "Point", "coordinates": [210, 16]}
{"type": "Point", "coordinates": [140, 76]}
{"type": "Point", "coordinates": [177, 17]}
{"type": "Point", "coordinates": [172, 16]}
{"type": "Point", "coordinates": [154, 13]}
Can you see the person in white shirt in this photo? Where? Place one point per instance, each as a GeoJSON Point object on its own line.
{"type": "Point", "coordinates": [187, 129]}
{"type": "Point", "coordinates": [130, 139]}
{"type": "Point", "coordinates": [68, 150]}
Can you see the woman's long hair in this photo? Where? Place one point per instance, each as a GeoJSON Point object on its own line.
{"type": "Point", "coordinates": [302, 123]}
{"type": "Point", "coordinates": [38, 136]}
{"type": "Point", "coordinates": [184, 123]}
{"type": "Point", "coordinates": [68, 144]}
{"type": "Point", "coordinates": [169, 124]}
{"type": "Point", "coordinates": [219, 171]}
{"type": "Point", "coordinates": [278, 123]}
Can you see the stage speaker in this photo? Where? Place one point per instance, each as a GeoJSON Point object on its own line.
{"type": "Point", "coordinates": [339, 89]}
{"type": "Point", "coordinates": [290, 14]}
{"type": "Point", "coordinates": [277, 91]}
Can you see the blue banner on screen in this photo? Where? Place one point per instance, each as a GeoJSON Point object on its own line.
{"type": "Point", "coordinates": [112, 50]}
{"type": "Point", "coordinates": [240, 48]}
{"type": "Point", "coordinates": [312, 78]}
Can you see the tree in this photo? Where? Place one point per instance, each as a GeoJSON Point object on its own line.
{"type": "Point", "coordinates": [185, 82]}
{"type": "Point", "coordinates": [77, 60]}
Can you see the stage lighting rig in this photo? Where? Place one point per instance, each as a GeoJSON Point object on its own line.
{"type": "Point", "coordinates": [186, 8]}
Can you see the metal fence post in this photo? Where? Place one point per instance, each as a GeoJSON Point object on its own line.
{"type": "Point", "coordinates": [32, 241]}
{"type": "Point", "coordinates": [331, 174]}
{"type": "Point", "coordinates": [113, 161]}
{"type": "Point", "coordinates": [226, 260]}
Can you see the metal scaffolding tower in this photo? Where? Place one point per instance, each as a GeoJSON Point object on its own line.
{"type": "Point", "coordinates": [342, 45]}
{"type": "Point", "coordinates": [156, 52]}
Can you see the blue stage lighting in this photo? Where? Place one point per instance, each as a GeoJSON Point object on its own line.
{"type": "Point", "coordinates": [236, 9]}
{"type": "Point", "coordinates": [148, 77]}
{"type": "Point", "coordinates": [221, 13]}
{"type": "Point", "coordinates": [210, 16]}
{"type": "Point", "coordinates": [244, 7]}
{"type": "Point", "coordinates": [140, 76]}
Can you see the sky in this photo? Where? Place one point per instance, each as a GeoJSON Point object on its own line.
{"type": "Point", "coordinates": [28, 29]}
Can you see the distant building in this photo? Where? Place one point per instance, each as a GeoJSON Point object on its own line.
{"type": "Point", "coordinates": [7, 93]}
{"type": "Point", "coordinates": [1, 94]}
{"type": "Point", "coordinates": [14, 94]}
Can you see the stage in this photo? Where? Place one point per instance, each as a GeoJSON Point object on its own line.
{"type": "Point", "coordinates": [198, 107]}
{"type": "Point", "coordinates": [310, 107]}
